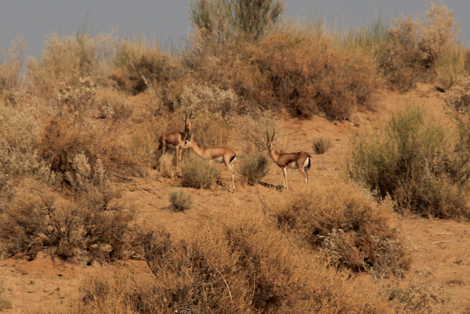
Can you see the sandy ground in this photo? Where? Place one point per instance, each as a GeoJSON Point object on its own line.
{"type": "Point", "coordinates": [440, 249]}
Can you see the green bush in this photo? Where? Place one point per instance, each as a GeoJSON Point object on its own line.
{"type": "Point", "coordinates": [254, 168]}
{"type": "Point", "coordinates": [180, 200]}
{"type": "Point", "coordinates": [197, 173]}
{"type": "Point", "coordinates": [414, 162]}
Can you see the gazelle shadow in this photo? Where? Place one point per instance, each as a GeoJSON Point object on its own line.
{"type": "Point", "coordinates": [271, 186]}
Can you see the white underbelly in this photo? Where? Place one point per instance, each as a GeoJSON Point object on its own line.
{"type": "Point", "coordinates": [219, 160]}
{"type": "Point", "coordinates": [292, 165]}
{"type": "Point", "coordinates": [171, 146]}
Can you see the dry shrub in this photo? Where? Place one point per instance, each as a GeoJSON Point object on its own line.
{"type": "Point", "coordinates": [309, 75]}
{"type": "Point", "coordinates": [421, 296]}
{"type": "Point", "coordinates": [208, 100]}
{"type": "Point", "coordinates": [211, 131]}
{"type": "Point", "coordinates": [112, 105]}
{"type": "Point", "coordinates": [64, 139]}
{"type": "Point", "coordinates": [10, 73]}
{"type": "Point", "coordinates": [321, 144]}
{"type": "Point", "coordinates": [180, 200]}
{"type": "Point", "coordinates": [140, 66]}
{"type": "Point", "coordinates": [36, 218]}
{"type": "Point", "coordinates": [241, 264]}
{"type": "Point", "coordinates": [198, 173]}
{"type": "Point", "coordinates": [346, 224]}
{"type": "Point", "coordinates": [416, 162]}
{"type": "Point", "coordinates": [414, 48]}
{"type": "Point", "coordinates": [166, 166]}
{"type": "Point", "coordinates": [254, 168]}
{"type": "Point", "coordinates": [65, 61]}
{"type": "Point", "coordinates": [18, 155]}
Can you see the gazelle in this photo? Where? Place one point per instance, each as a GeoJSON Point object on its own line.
{"type": "Point", "coordinates": [175, 140]}
{"type": "Point", "coordinates": [216, 154]}
{"type": "Point", "coordinates": [299, 160]}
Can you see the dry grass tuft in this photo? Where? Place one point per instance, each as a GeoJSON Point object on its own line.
{"type": "Point", "coordinates": [180, 200]}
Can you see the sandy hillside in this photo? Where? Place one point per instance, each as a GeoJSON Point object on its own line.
{"type": "Point", "coordinates": [440, 249]}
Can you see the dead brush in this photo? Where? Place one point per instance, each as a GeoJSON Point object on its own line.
{"type": "Point", "coordinates": [420, 295]}
{"type": "Point", "coordinates": [416, 49]}
{"type": "Point", "coordinates": [321, 144]}
{"type": "Point", "coordinates": [242, 264]}
{"type": "Point", "coordinates": [38, 219]}
{"type": "Point", "coordinates": [301, 74]}
{"type": "Point", "coordinates": [180, 200]}
{"type": "Point", "coordinates": [342, 221]}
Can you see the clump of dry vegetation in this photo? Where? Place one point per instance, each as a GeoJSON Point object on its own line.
{"type": "Point", "coordinates": [199, 173]}
{"type": "Point", "coordinates": [347, 225]}
{"type": "Point", "coordinates": [413, 160]}
{"type": "Point", "coordinates": [180, 200]}
{"type": "Point", "coordinates": [239, 264]}
{"type": "Point", "coordinates": [321, 144]}
{"type": "Point", "coordinates": [254, 168]}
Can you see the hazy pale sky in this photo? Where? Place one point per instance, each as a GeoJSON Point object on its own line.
{"type": "Point", "coordinates": [167, 21]}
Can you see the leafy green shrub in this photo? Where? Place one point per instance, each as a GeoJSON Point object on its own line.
{"type": "Point", "coordinates": [197, 173]}
{"type": "Point", "coordinates": [413, 161]}
{"type": "Point", "coordinates": [254, 168]}
{"type": "Point", "coordinates": [346, 224]}
{"type": "Point", "coordinates": [180, 200]}
{"type": "Point", "coordinates": [321, 144]}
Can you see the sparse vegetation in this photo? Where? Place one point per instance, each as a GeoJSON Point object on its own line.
{"type": "Point", "coordinates": [198, 173]}
{"type": "Point", "coordinates": [83, 124]}
{"type": "Point", "coordinates": [321, 144]}
{"type": "Point", "coordinates": [254, 168]}
{"type": "Point", "coordinates": [180, 200]}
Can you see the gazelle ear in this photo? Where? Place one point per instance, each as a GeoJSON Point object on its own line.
{"type": "Point", "coordinates": [264, 140]}
{"type": "Point", "coordinates": [277, 139]}
{"type": "Point", "coordinates": [182, 118]}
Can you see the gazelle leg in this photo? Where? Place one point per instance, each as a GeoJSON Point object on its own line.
{"type": "Point", "coordinates": [232, 172]}
{"type": "Point", "coordinates": [177, 162]}
{"type": "Point", "coordinates": [284, 172]}
{"type": "Point", "coordinates": [304, 174]}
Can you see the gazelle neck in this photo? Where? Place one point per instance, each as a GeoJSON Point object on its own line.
{"type": "Point", "coordinates": [274, 154]}
{"type": "Point", "coordinates": [199, 151]}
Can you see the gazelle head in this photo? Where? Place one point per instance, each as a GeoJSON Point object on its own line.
{"type": "Point", "coordinates": [187, 121]}
{"type": "Point", "coordinates": [270, 142]}
{"type": "Point", "coordinates": [188, 142]}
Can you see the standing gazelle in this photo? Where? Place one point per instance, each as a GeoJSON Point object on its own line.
{"type": "Point", "coordinates": [217, 154]}
{"type": "Point", "coordinates": [298, 160]}
{"type": "Point", "coordinates": [175, 140]}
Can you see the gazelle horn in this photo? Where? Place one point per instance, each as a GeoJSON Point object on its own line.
{"type": "Point", "coordinates": [272, 139]}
